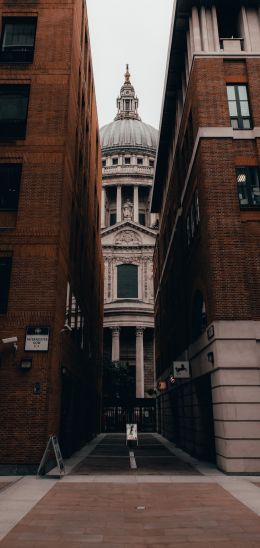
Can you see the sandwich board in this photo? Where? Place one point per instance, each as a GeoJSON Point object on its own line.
{"type": "Point", "coordinates": [131, 433]}
{"type": "Point", "coordinates": [52, 444]}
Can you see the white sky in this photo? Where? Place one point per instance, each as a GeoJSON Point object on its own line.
{"type": "Point", "coordinates": [135, 32]}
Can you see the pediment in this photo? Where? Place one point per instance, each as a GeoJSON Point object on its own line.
{"type": "Point", "coordinates": [128, 233]}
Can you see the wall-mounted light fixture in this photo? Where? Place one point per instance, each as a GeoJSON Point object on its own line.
{"type": "Point", "coordinates": [26, 364]}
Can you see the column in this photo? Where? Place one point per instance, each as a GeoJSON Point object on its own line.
{"type": "Point", "coordinates": [103, 208]}
{"type": "Point", "coordinates": [118, 204]}
{"type": "Point", "coordinates": [139, 362]}
{"type": "Point", "coordinates": [190, 34]}
{"type": "Point", "coordinates": [204, 29]}
{"type": "Point", "coordinates": [136, 204]}
{"type": "Point", "coordinates": [215, 28]}
{"type": "Point", "coordinates": [246, 33]}
{"type": "Point", "coordinates": [115, 344]}
{"type": "Point", "coordinates": [196, 29]}
{"type": "Point", "coordinates": [189, 54]}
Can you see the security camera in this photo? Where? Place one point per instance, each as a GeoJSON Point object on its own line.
{"type": "Point", "coordinates": [10, 340]}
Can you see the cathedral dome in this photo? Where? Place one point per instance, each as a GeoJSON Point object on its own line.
{"type": "Point", "coordinates": [130, 133]}
{"type": "Point", "coordinates": [127, 130]}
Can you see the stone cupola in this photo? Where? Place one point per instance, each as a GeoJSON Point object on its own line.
{"type": "Point", "coordinates": [127, 103]}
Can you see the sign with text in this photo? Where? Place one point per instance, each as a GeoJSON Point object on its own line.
{"type": "Point", "coordinates": [131, 432]}
{"type": "Point", "coordinates": [181, 370]}
{"type": "Point", "coordinates": [37, 339]}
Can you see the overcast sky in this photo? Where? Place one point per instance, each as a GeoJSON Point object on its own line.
{"type": "Point", "coordinates": [134, 32]}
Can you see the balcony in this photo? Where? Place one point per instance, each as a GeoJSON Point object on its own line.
{"type": "Point", "coordinates": [125, 170]}
{"type": "Point", "coordinates": [232, 45]}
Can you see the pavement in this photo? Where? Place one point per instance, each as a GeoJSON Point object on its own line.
{"type": "Point", "coordinates": [153, 495]}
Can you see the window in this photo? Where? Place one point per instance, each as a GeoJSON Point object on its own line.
{"type": "Point", "coordinates": [142, 218]}
{"type": "Point", "coordinates": [127, 161]}
{"type": "Point", "coordinates": [127, 281]}
{"type": "Point", "coordinates": [103, 163]}
{"type": "Point", "coordinates": [10, 175]}
{"type": "Point", "coordinates": [199, 316]}
{"type": "Point", "coordinates": [248, 186]}
{"type": "Point", "coordinates": [17, 40]}
{"type": "Point", "coordinates": [228, 17]}
{"type": "Point", "coordinates": [140, 161]}
{"type": "Point", "coordinates": [5, 275]}
{"type": "Point", "coordinates": [239, 107]}
{"type": "Point", "coordinates": [127, 104]}
{"type": "Point", "coordinates": [13, 111]}
{"type": "Point", "coordinates": [112, 218]}
{"type": "Point", "coordinates": [193, 218]}
{"type": "Point", "coordinates": [151, 163]}
{"type": "Point", "coordinates": [114, 161]}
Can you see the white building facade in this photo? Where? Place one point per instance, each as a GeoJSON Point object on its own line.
{"type": "Point", "coordinates": [128, 233]}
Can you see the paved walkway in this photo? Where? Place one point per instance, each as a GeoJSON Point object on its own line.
{"type": "Point", "coordinates": [190, 505]}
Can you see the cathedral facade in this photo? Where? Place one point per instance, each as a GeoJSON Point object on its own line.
{"type": "Point", "coordinates": [128, 233]}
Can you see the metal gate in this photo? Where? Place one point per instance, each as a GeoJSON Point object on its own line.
{"type": "Point", "coordinates": [115, 418]}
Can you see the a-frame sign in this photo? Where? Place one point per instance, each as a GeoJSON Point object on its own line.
{"type": "Point", "coordinates": [52, 444]}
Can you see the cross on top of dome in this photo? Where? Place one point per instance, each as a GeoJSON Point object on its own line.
{"type": "Point", "coordinates": [127, 102]}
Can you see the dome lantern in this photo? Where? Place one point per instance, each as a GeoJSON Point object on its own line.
{"type": "Point", "coordinates": [127, 102]}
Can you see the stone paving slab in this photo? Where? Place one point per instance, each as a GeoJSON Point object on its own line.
{"type": "Point", "coordinates": [152, 457]}
{"type": "Point", "coordinates": [71, 515]}
{"type": "Point", "coordinates": [102, 465]}
{"type": "Point", "coordinates": [5, 485]}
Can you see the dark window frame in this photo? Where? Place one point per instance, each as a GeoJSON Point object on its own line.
{"type": "Point", "coordinates": [121, 289]}
{"type": "Point", "coordinates": [199, 319]}
{"type": "Point", "coordinates": [23, 55]}
{"type": "Point", "coordinates": [127, 161]}
{"type": "Point", "coordinates": [193, 218]}
{"type": "Point", "coordinates": [142, 216]}
{"type": "Point", "coordinates": [240, 119]}
{"type": "Point", "coordinates": [16, 182]}
{"type": "Point", "coordinates": [251, 173]}
{"type": "Point", "coordinates": [5, 282]}
{"type": "Point", "coordinates": [13, 129]}
{"type": "Point", "coordinates": [112, 216]}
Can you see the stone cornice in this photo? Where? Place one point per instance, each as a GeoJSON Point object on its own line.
{"type": "Point", "coordinates": [126, 225]}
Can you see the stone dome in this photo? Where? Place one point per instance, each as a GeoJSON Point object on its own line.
{"type": "Point", "coordinates": [128, 133]}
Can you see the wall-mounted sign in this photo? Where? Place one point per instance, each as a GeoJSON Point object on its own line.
{"type": "Point", "coordinates": [210, 331]}
{"type": "Point", "coordinates": [37, 339]}
{"type": "Point", "coordinates": [181, 370]}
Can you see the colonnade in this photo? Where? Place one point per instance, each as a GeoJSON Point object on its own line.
{"type": "Point", "coordinates": [119, 205]}
{"type": "Point", "coordinates": [139, 356]}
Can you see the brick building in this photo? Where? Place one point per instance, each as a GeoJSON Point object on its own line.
{"type": "Point", "coordinates": [51, 277]}
{"type": "Point", "coordinates": [207, 190]}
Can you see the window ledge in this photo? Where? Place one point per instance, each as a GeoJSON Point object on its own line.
{"type": "Point", "coordinates": [250, 214]}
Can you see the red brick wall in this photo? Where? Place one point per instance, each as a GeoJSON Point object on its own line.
{"type": "Point", "coordinates": [223, 261]}
{"type": "Point", "coordinates": [55, 191]}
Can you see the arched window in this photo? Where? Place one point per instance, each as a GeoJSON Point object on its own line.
{"type": "Point", "coordinates": [199, 316]}
{"type": "Point", "coordinates": [127, 281]}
